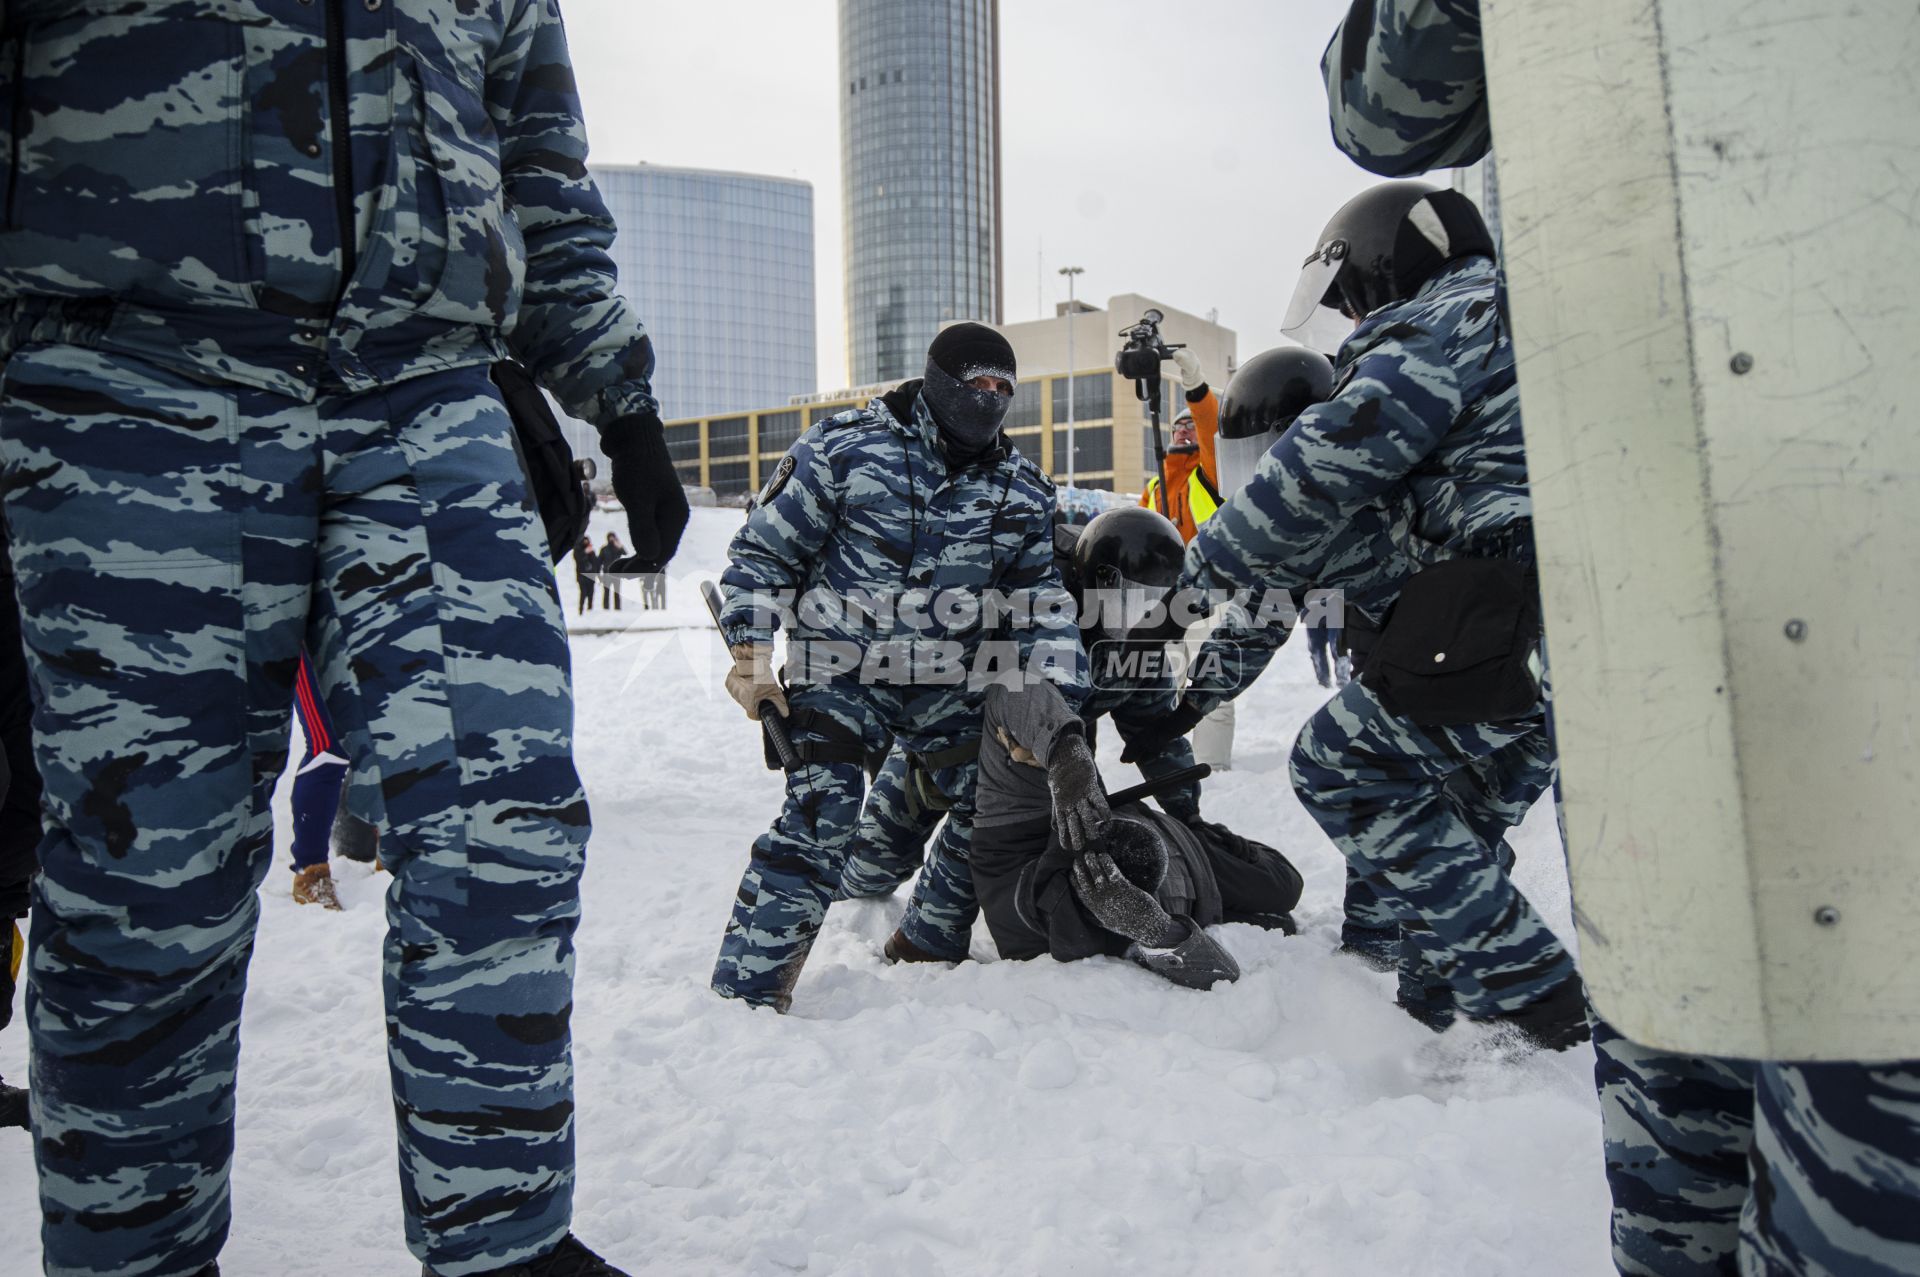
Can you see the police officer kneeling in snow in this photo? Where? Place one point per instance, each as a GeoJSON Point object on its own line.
{"type": "Point", "coordinates": [881, 524]}
{"type": "Point", "coordinates": [1059, 874]}
{"type": "Point", "coordinates": [1425, 412]}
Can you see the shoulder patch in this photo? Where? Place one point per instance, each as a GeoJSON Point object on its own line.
{"type": "Point", "coordinates": [781, 473]}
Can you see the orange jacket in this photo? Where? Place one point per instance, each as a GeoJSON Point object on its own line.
{"type": "Point", "coordinates": [1193, 474]}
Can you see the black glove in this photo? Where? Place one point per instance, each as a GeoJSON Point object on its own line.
{"type": "Point", "coordinates": [1120, 906]}
{"type": "Point", "coordinates": [1079, 800]}
{"type": "Point", "coordinates": [1164, 732]}
{"type": "Point", "coordinates": [649, 487]}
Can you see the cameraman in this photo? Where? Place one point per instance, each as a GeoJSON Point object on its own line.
{"type": "Point", "coordinates": [1193, 494]}
{"type": "Point", "coordinates": [1192, 467]}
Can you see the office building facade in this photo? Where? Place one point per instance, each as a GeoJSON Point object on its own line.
{"type": "Point", "coordinates": [720, 267]}
{"type": "Point", "coordinates": [920, 160]}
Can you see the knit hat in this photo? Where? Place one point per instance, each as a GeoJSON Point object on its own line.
{"type": "Point", "coordinates": [970, 350]}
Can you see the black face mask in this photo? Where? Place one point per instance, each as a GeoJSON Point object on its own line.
{"type": "Point", "coordinates": [969, 418]}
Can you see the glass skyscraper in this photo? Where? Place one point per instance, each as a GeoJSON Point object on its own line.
{"type": "Point", "coordinates": [720, 268]}
{"type": "Point", "coordinates": [920, 157]}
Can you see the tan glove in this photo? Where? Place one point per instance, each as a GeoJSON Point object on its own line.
{"type": "Point", "coordinates": [1191, 374]}
{"type": "Point", "coordinates": [752, 682]}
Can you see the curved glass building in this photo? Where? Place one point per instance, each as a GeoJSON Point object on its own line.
{"type": "Point", "coordinates": [920, 159]}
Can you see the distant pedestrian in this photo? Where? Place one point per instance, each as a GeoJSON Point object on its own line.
{"type": "Point", "coordinates": [586, 562]}
{"type": "Point", "coordinates": [610, 557]}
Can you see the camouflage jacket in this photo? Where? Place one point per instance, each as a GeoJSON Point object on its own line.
{"type": "Point", "coordinates": [886, 543]}
{"type": "Point", "coordinates": [1365, 561]}
{"type": "Point", "coordinates": [1424, 423]}
{"type": "Point", "coordinates": [1407, 86]}
{"type": "Point", "coordinates": [298, 196]}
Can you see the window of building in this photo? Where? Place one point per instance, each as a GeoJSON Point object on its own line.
{"type": "Point", "coordinates": [683, 442]}
{"type": "Point", "coordinates": [1092, 449]}
{"type": "Point", "coordinates": [689, 472]}
{"type": "Point", "coordinates": [728, 478]}
{"type": "Point", "coordinates": [1092, 398]}
{"type": "Point", "coordinates": [778, 430]}
{"type": "Point", "coordinates": [727, 438]}
{"type": "Point", "coordinates": [1026, 405]}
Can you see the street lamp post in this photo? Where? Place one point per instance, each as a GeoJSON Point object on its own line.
{"type": "Point", "coordinates": [1071, 272]}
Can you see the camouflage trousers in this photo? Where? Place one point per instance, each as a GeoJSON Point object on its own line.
{"type": "Point", "coordinates": [1727, 1168]}
{"type": "Point", "coordinates": [797, 865]}
{"type": "Point", "coordinates": [890, 844]}
{"type": "Point", "coordinates": [175, 543]}
{"type": "Point", "coordinates": [1420, 814]}
{"type": "Point", "coordinates": [1492, 794]}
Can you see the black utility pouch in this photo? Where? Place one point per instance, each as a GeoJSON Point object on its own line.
{"type": "Point", "coordinates": [558, 483]}
{"type": "Point", "coordinates": [1457, 645]}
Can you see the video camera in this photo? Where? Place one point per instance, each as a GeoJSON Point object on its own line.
{"type": "Point", "coordinates": [1140, 359]}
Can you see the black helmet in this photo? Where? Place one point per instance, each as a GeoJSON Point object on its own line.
{"type": "Point", "coordinates": [1273, 388]}
{"type": "Point", "coordinates": [1381, 246]}
{"type": "Point", "coordinates": [1125, 566]}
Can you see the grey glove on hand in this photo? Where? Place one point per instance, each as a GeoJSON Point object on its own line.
{"type": "Point", "coordinates": [1080, 812]}
{"type": "Point", "coordinates": [1120, 906]}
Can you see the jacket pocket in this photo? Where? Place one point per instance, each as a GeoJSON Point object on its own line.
{"type": "Point", "coordinates": [1457, 648]}
{"type": "Point", "coordinates": [471, 259]}
{"type": "Point", "coordinates": [127, 157]}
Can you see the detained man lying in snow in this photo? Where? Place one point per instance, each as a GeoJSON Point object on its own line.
{"type": "Point", "coordinates": [1147, 884]}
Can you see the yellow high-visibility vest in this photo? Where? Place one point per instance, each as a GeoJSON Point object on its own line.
{"type": "Point", "coordinates": [1203, 501]}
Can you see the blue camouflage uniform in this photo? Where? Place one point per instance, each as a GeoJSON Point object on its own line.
{"type": "Point", "coordinates": [864, 525]}
{"type": "Point", "coordinates": [1715, 1166]}
{"type": "Point", "coordinates": [894, 826]}
{"type": "Point", "coordinates": [256, 260]}
{"type": "Point", "coordinates": [1424, 416]}
{"type": "Point", "coordinates": [1359, 569]}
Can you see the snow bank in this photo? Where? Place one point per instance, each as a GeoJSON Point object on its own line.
{"type": "Point", "coordinates": [999, 1118]}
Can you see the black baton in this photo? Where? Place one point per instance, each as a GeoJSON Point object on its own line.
{"type": "Point", "coordinates": [772, 721]}
{"type": "Point", "coordinates": [1155, 788]}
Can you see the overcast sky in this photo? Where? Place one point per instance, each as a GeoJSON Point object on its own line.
{"type": "Point", "coordinates": [1217, 102]}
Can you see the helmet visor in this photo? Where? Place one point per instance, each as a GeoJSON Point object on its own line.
{"type": "Point", "coordinates": [1121, 608]}
{"type": "Point", "coordinates": [1313, 316]}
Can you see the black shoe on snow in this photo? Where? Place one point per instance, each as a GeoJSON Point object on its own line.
{"type": "Point", "coordinates": [568, 1259]}
{"type": "Point", "coordinates": [1379, 950]}
{"type": "Point", "coordinates": [1552, 1023]}
{"type": "Point", "coordinates": [901, 949]}
{"type": "Point", "coordinates": [13, 1106]}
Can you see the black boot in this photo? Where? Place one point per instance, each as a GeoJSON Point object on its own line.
{"type": "Point", "coordinates": [1552, 1023]}
{"type": "Point", "coordinates": [13, 1106]}
{"type": "Point", "coordinates": [568, 1259]}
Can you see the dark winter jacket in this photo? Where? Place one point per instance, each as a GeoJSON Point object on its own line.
{"type": "Point", "coordinates": [1021, 871]}
{"type": "Point", "coordinates": [177, 188]}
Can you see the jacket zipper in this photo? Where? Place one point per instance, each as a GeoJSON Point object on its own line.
{"type": "Point", "coordinates": [342, 141]}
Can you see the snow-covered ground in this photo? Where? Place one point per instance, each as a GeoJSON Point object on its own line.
{"type": "Point", "coordinates": [1001, 1119]}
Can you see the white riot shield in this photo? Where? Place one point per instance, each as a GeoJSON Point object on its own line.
{"type": "Point", "coordinates": [1709, 213]}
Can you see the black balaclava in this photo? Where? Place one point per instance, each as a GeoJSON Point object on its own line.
{"type": "Point", "coordinates": [969, 418]}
